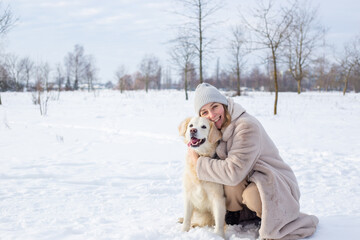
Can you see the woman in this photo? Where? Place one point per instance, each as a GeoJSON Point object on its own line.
{"type": "Point", "coordinates": [250, 168]}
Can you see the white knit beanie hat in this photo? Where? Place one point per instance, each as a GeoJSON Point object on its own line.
{"type": "Point", "coordinates": [206, 93]}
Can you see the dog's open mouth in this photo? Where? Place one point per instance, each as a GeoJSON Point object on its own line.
{"type": "Point", "coordinates": [195, 142]}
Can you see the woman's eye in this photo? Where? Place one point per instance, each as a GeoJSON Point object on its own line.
{"type": "Point", "coordinates": [203, 126]}
{"type": "Point", "coordinates": [203, 113]}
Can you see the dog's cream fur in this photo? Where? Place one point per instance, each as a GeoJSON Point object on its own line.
{"type": "Point", "coordinates": [204, 202]}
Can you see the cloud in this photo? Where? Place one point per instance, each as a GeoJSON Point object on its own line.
{"type": "Point", "coordinates": [88, 12]}
{"type": "Point", "coordinates": [158, 5]}
{"type": "Point", "coordinates": [113, 19]}
{"type": "Point", "coordinates": [58, 4]}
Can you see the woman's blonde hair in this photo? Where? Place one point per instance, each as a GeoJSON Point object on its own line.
{"type": "Point", "coordinates": [227, 117]}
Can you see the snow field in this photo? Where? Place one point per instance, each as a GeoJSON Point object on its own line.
{"type": "Point", "coordinates": [109, 165]}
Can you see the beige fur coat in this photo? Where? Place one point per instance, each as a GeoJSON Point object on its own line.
{"type": "Point", "coordinates": [247, 152]}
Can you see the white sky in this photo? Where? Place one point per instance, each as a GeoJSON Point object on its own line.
{"type": "Point", "coordinates": [119, 32]}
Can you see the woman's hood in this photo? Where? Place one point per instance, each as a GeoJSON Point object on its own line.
{"type": "Point", "coordinates": [235, 111]}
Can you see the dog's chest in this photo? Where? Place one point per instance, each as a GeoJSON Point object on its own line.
{"type": "Point", "coordinates": [199, 196]}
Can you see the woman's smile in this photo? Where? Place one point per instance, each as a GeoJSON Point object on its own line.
{"type": "Point", "coordinates": [215, 112]}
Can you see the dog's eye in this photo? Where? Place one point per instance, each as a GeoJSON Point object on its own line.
{"type": "Point", "coordinates": [191, 125]}
{"type": "Point", "coordinates": [203, 126]}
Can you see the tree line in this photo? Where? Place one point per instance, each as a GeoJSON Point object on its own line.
{"type": "Point", "coordinates": [24, 74]}
{"type": "Point", "coordinates": [287, 38]}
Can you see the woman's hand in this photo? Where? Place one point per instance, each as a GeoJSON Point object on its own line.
{"type": "Point", "coordinates": [193, 156]}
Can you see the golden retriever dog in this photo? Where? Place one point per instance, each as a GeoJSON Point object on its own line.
{"type": "Point", "coordinates": [204, 202]}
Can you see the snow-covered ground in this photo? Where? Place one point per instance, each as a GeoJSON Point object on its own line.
{"type": "Point", "coordinates": [109, 165]}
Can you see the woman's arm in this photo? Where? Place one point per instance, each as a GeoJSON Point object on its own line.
{"type": "Point", "coordinates": [241, 158]}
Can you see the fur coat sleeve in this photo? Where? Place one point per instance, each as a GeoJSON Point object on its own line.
{"type": "Point", "coordinates": [239, 159]}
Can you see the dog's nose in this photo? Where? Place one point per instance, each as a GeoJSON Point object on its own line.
{"type": "Point", "coordinates": [193, 130]}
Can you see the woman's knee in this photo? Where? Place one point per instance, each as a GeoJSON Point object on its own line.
{"type": "Point", "coordinates": [234, 196]}
{"type": "Point", "coordinates": [251, 198]}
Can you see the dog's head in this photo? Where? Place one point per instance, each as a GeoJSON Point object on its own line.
{"type": "Point", "coordinates": [200, 134]}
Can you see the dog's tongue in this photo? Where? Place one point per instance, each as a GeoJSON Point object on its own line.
{"type": "Point", "coordinates": [193, 141]}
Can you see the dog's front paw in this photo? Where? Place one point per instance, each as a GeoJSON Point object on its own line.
{"type": "Point", "coordinates": [185, 227]}
{"type": "Point", "coordinates": [220, 232]}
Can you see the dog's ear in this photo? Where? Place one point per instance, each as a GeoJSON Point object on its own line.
{"type": "Point", "coordinates": [183, 126]}
{"type": "Point", "coordinates": [214, 134]}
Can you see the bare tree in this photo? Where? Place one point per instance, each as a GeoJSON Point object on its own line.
{"type": "Point", "coordinates": [321, 67]}
{"type": "Point", "coordinates": [19, 71]}
{"type": "Point", "coordinates": [182, 54]}
{"type": "Point", "coordinates": [271, 29]}
{"type": "Point", "coordinates": [68, 66]}
{"type": "Point", "coordinates": [7, 21]}
{"type": "Point", "coordinates": [217, 72]}
{"type": "Point", "coordinates": [90, 72]}
{"type": "Point", "coordinates": [127, 82]}
{"type": "Point", "coordinates": [4, 78]}
{"type": "Point", "coordinates": [138, 79]}
{"type": "Point", "coordinates": [68, 62]}
{"type": "Point", "coordinates": [199, 13]}
{"type": "Point", "coordinates": [75, 63]}
{"type": "Point", "coordinates": [356, 78]}
{"type": "Point", "coordinates": [120, 77]}
{"type": "Point", "coordinates": [157, 78]}
{"type": "Point", "coordinates": [350, 60]}
{"type": "Point", "coordinates": [149, 68]}
{"type": "Point", "coordinates": [12, 67]}
{"type": "Point", "coordinates": [26, 64]}
{"type": "Point", "coordinates": [78, 60]}
{"type": "Point", "coordinates": [59, 78]}
{"type": "Point", "coordinates": [46, 73]}
{"type": "Point", "coordinates": [167, 77]}
{"type": "Point", "coordinates": [305, 37]}
{"type": "Point", "coordinates": [42, 94]}
{"type": "Point", "coordinates": [238, 52]}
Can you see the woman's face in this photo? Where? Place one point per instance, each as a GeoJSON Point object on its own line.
{"type": "Point", "coordinates": [215, 112]}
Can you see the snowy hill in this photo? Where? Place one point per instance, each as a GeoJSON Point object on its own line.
{"type": "Point", "coordinates": [109, 165]}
